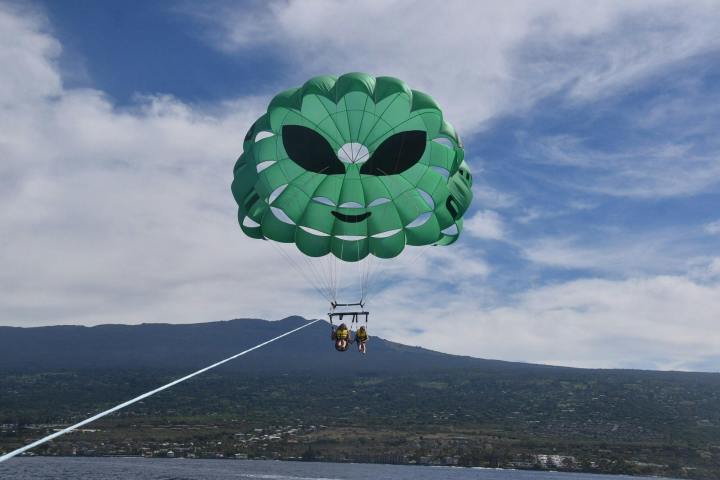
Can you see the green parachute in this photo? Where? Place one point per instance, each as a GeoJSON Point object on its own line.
{"type": "Point", "coordinates": [354, 166]}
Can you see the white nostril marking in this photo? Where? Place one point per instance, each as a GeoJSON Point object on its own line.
{"type": "Point", "coordinates": [353, 153]}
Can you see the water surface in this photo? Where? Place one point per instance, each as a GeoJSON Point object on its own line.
{"type": "Point", "coordinates": [51, 468]}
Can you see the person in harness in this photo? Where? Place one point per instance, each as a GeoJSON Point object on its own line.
{"type": "Point", "coordinates": [341, 337]}
{"type": "Point", "coordinates": [361, 337]}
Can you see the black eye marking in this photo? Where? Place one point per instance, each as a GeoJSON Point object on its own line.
{"type": "Point", "coordinates": [310, 150]}
{"type": "Point", "coordinates": [396, 154]}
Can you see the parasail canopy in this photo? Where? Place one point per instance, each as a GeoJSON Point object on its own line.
{"type": "Point", "coordinates": [352, 166]}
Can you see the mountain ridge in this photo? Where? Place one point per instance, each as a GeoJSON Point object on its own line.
{"type": "Point", "coordinates": [171, 346]}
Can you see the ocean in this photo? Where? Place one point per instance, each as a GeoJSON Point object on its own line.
{"type": "Point", "coordinates": [136, 468]}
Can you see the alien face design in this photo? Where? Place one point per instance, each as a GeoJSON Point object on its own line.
{"type": "Point", "coordinates": [352, 166]}
{"type": "Point", "coordinates": [310, 150]}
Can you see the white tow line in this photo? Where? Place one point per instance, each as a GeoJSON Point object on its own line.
{"type": "Point", "coordinates": [52, 436]}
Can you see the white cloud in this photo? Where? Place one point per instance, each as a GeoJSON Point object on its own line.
{"type": "Point", "coordinates": [663, 322]}
{"type": "Point", "coordinates": [713, 227]}
{"type": "Point", "coordinates": [664, 169]}
{"type": "Point", "coordinates": [705, 270]}
{"type": "Point", "coordinates": [714, 267]}
{"type": "Point", "coordinates": [619, 252]}
{"type": "Point", "coordinates": [487, 196]}
{"type": "Point", "coordinates": [485, 224]}
{"type": "Point", "coordinates": [571, 207]}
{"type": "Point", "coordinates": [478, 58]}
{"type": "Point", "coordinates": [571, 253]}
{"type": "Point", "coordinates": [482, 60]}
{"type": "Point", "coordinates": [112, 214]}
{"type": "Point", "coordinates": [28, 55]}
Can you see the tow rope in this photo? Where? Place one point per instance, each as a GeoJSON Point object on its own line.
{"type": "Point", "coordinates": [52, 436]}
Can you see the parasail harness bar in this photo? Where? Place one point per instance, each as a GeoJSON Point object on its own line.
{"type": "Point", "coordinates": [334, 305]}
{"type": "Point", "coordinates": [356, 314]}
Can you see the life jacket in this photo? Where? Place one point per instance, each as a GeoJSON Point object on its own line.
{"type": "Point", "coordinates": [342, 333]}
{"type": "Point", "coordinates": [361, 335]}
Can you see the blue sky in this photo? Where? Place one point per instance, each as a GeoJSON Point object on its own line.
{"type": "Point", "coordinates": [594, 238]}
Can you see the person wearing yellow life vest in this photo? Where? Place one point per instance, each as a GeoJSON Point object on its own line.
{"type": "Point", "coordinates": [341, 337]}
{"type": "Point", "coordinates": [361, 337]}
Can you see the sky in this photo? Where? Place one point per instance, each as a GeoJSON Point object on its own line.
{"type": "Point", "coordinates": [590, 129]}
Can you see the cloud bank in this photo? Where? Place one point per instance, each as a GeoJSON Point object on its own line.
{"type": "Point", "coordinates": [123, 214]}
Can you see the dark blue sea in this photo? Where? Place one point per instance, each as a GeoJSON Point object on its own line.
{"type": "Point", "coordinates": [51, 468]}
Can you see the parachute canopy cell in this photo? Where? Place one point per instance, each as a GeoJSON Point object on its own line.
{"type": "Point", "coordinates": [352, 166]}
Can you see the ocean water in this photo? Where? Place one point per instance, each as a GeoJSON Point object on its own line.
{"type": "Point", "coordinates": [51, 468]}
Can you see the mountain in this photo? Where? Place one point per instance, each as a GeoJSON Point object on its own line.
{"type": "Point", "coordinates": [171, 347]}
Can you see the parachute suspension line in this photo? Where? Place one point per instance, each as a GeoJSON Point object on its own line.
{"type": "Point", "coordinates": [312, 282]}
{"type": "Point", "coordinates": [340, 262]}
{"type": "Point", "coordinates": [329, 268]}
{"type": "Point", "coordinates": [371, 273]}
{"type": "Point", "coordinates": [306, 273]}
{"type": "Point", "coordinates": [333, 262]}
{"type": "Point", "coordinates": [359, 271]}
{"type": "Point", "coordinates": [322, 266]}
{"type": "Point", "coordinates": [366, 269]}
{"type": "Point", "coordinates": [321, 280]}
{"type": "Point", "coordinates": [377, 266]}
{"type": "Point", "coordinates": [315, 266]}
{"type": "Point", "coordinates": [330, 264]}
{"type": "Point", "coordinates": [317, 272]}
{"type": "Point", "coordinates": [422, 250]}
{"type": "Point", "coordinates": [69, 429]}
{"type": "Point", "coordinates": [311, 272]}
{"type": "Point", "coordinates": [365, 277]}
{"type": "Point", "coordinates": [337, 263]}
{"type": "Point", "coordinates": [361, 274]}
{"type": "Point", "coordinates": [374, 262]}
